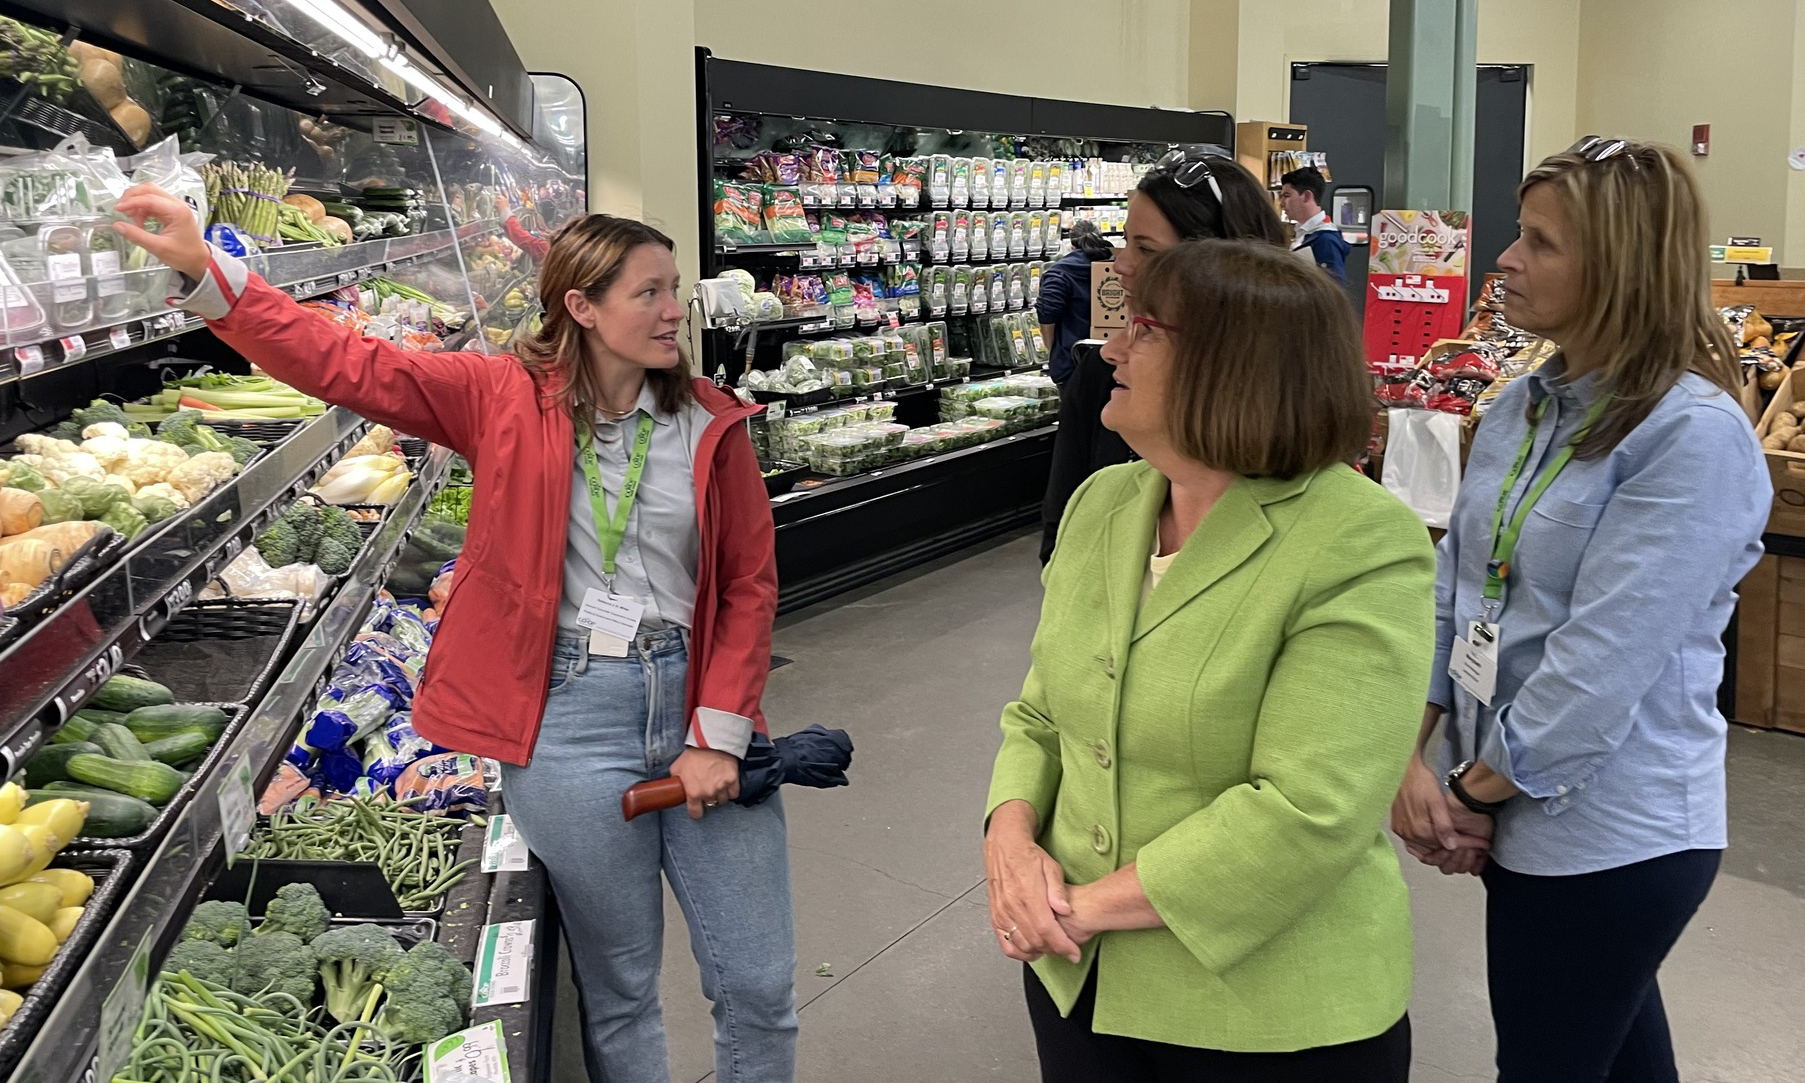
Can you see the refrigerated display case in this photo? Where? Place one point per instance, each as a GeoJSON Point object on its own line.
{"type": "Point", "coordinates": [403, 186]}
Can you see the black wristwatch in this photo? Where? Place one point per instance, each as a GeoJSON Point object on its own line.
{"type": "Point", "coordinates": [1483, 808]}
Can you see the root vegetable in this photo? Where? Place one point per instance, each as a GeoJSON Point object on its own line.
{"type": "Point", "coordinates": [105, 82]}
{"type": "Point", "coordinates": [20, 511]}
{"type": "Point", "coordinates": [132, 120]}
{"type": "Point", "coordinates": [29, 561]}
{"type": "Point", "coordinates": [12, 594]}
{"type": "Point", "coordinates": [316, 211]}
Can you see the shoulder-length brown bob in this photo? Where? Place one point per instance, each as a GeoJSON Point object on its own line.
{"type": "Point", "coordinates": [588, 254]}
{"type": "Point", "coordinates": [1267, 377]}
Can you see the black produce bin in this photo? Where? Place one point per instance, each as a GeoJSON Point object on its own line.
{"type": "Point", "coordinates": [222, 650]}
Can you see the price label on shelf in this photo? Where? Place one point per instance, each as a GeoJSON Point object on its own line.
{"type": "Point", "coordinates": [504, 964]}
{"type": "Point", "coordinates": [477, 1055]}
{"type": "Point", "coordinates": [30, 358]}
{"type": "Point", "coordinates": [345, 278]}
{"type": "Point", "coordinates": [119, 337]}
{"type": "Point", "coordinates": [397, 130]}
{"type": "Point", "coordinates": [74, 347]}
{"type": "Point", "coordinates": [237, 807]}
{"type": "Point", "coordinates": [121, 1011]}
{"type": "Point", "coordinates": [503, 848]}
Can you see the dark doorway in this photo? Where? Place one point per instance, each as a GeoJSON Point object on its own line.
{"type": "Point", "coordinates": [1344, 105]}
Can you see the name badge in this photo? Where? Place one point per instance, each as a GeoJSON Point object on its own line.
{"type": "Point", "coordinates": [1474, 661]}
{"type": "Point", "coordinates": [612, 621]}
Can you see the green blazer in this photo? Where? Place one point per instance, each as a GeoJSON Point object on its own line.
{"type": "Point", "coordinates": [1240, 738]}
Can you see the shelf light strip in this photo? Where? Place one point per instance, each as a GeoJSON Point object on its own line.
{"type": "Point", "coordinates": [330, 16]}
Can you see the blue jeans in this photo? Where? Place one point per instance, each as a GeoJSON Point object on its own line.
{"type": "Point", "coordinates": [611, 722]}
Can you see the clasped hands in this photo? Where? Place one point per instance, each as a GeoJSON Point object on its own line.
{"type": "Point", "coordinates": [1033, 911]}
{"type": "Point", "coordinates": [1436, 828]}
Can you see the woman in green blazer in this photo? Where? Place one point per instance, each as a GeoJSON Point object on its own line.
{"type": "Point", "coordinates": [1184, 837]}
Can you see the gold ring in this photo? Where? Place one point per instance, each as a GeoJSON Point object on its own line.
{"type": "Point", "coordinates": [1009, 936]}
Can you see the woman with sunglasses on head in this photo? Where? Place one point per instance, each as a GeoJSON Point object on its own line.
{"type": "Point", "coordinates": [1193, 193]}
{"type": "Point", "coordinates": [1613, 500]}
{"type": "Point", "coordinates": [610, 620]}
{"type": "Point", "coordinates": [1183, 840]}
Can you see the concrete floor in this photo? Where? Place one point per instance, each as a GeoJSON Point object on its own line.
{"type": "Point", "coordinates": [888, 875]}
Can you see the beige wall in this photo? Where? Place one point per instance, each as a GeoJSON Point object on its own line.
{"type": "Point", "coordinates": [1138, 48]}
{"type": "Point", "coordinates": [1651, 69]}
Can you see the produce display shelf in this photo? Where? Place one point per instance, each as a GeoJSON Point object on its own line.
{"type": "Point", "coordinates": [822, 325]}
{"type": "Point", "coordinates": [302, 273]}
{"type": "Point", "coordinates": [192, 854]}
{"type": "Point", "coordinates": [932, 260]}
{"type": "Point", "coordinates": [53, 667]}
{"type": "Point", "coordinates": [1072, 199]}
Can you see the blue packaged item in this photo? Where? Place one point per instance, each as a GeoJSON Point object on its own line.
{"type": "Point", "coordinates": [338, 771]}
{"type": "Point", "coordinates": [355, 715]}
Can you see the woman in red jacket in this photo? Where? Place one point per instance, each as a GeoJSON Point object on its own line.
{"type": "Point", "coordinates": [611, 617]}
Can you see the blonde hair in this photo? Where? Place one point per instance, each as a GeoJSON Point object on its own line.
{"type": "Point", "coordinates": [1267, 376]}
{"type": "Point", "coordinates": [588, 254]}
{"type": "Point", "coordinates": [1639, 231]}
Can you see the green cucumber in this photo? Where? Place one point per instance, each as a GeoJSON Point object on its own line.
{"type": "Point", "coordinates": [78, 728]}
{"type": "Point", "coordinates": [181, 749]}
{"type": "Point", "coordinates": [97, 715]}
{"type": "Point", "coordinates": [130, 693]}
{"type": "Point", "coordinates": [171, 719]}
{"type": "Point", "coordinates": [110, 815]}
{"type": "Point", "coordinates": [150, 781]}
{"type": "Point", "coordinates": [50, 764]}
{"type": "Point", "coordinates": [119, 743]}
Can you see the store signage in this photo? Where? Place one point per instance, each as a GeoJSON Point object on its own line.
{"type": "Point", "coordinates": [397, 130]}
{"type": "Point", "coordinates": [74, 347]}
{"type": "Point", "coordinates": [1417, 286]}
{"type": "Point", "coordinates": [120, 338]}
{"type": "Point", "coordinates": [1746, 254]}
{"type": "Point", "coordinates": [504, 964]}
{"type": "Point", "coordinates": [30, 358]}
{"type": "Point", "coordinates": [237, 807]}
{"type": "Point", "coordinates": [477, 1055]}
{"type": "Point", "coordinates": [503, 848]}
{"type": "Point", "coordinates": [121, 1011]}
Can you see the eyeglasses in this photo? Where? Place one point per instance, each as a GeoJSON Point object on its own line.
{"type": "Point", "coordinates": [1601, 148]}
{"type": "Point", "coordinates": [1135, 323]}
{"type": "Point", "coordinates": [1189, 167]}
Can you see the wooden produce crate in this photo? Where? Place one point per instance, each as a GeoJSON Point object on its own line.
{"type": "Point", "coordinates": [1770, 645]}
{"type": "Point", "coordinates": [1787, 468]}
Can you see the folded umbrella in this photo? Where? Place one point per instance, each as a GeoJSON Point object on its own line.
{"type": "Point", "coordinates": [815, 756]}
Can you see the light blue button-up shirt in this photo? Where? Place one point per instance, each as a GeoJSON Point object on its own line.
{"type": "Point", "coordinates": [1611, 653]}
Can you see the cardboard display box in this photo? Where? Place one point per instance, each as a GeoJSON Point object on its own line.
{"type": "Point", "coordinates": [1109, 301]}
{"type": "Point", "coordinates": [1787, 468]}
{"type": "Point", "coordinates": [1770, 645]}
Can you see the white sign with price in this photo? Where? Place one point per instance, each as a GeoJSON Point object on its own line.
{"type": "Point", "coordinates": [504, 964]}
{"type": "Point", "coordinates": [120, 338]}
{"type": "Point", "coordinates": [477, 1055]}
{"type": "Point", "coordinates": [503, 848]}
{"type": "Point", "coordinates": [237, 807]}
{"type": "Point", "coordinates": [121, 1011]}
{"type": "Point", "coordinates": [30, 359]}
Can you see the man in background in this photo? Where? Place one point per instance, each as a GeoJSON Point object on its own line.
{"type": "Point", "coordinates": [1301, 195]}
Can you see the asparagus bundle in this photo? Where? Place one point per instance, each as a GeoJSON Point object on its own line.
{"type": "Point", "coordinates": [246, 196]}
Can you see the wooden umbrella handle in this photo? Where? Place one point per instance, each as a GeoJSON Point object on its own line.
{"type": "Point", "coordinates": [653, 796]}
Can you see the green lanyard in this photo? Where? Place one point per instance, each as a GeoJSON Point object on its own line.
{"type": "Point", "coordinates": [613, 530]}
{"type": "Point", "coordinates": [1504, 538]}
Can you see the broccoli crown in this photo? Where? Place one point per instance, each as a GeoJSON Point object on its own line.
{"type": "Point", "coordinates": [279, 544]}
{"type": "Point", "coordinates": [352, 960]}
{"type": "Point", "coordinates": [297, 909]}
{"type": "Point", "coordinates": [96, 412]}
{"type": "Point", "coordinates": [337, 524]}
{"type": "Point", "coordinates": [178, 428]}
{"type": "Point", "coordinates": [418, 1020]}
{"type": "Point", "coordinates": [139, 430]}
{"type": "Point", "coordinates": [332, 556]}
{"type": "Point", "coordinates": [203, 959]}
{"type": "Point", "coordinates": [428, 967]}
{"type": "Point", "coordinates": [243, 451]}
{"type": "Point", "coordinates": [220, 922]}
{"type": "Point", "coordinates": [304, 517]}
{"type": "Point", "coordinates": [274, 962]}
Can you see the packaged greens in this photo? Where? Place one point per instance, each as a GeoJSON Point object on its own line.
{"type": "Point", "coordinates": [1035, 238]}
{"type": "Point", "coordinates": [1052, 233]}
{"type": "Point", "coordinates": [1037, 184]}
{"type": "Point", "coordinates": [1035, 270]}
{"type": "Point", "coordinates": [939, 289]}
{"type": "Point", "coordinates": [1018, 286]}
{"type": "Point", "coordinates": [999, 183]}
{"type": "Point", "coordinates": [940, 179]}
{"type": "Point", "coordinates": [738, 213]}
{"type": "Point", "coordinates": [961, 188]}
{"type": "Point", "coordinates": [1056, 178]}
{"type": "Point", "coordinates": [911, 178]}
{"type": "Point", "coordinates": [961, 238]}
{"type": "Point", "coordinates": [65, 251]}
{"type": "Point", "coordinates": [999, 234]}
{"type": "Point", "coordinates": [961, 292]}
{"type": "Point", "coordinates": [886, 180]}
{"type": "Point", "coordinates": [833, 229]}
{"type": "Point", "coordinates": [785, 219]}
{"type": "Point", "coordinates": [865, 292]}
{"type": "Point", "coordinates": [980, 182]}
{"type": "Point", "coordinates": [980, 235]}
{"type": "Point", "coordinates": [936, 332]}
{"type": "Point", "coordinates": [1018, 234]}
{"type": "Point", "coordinates": [865, 176]}
{"type": "Point", "coordinates": [940, 236]}
{"type": "Point", "coordinates": [848, 189]}
{"type": "Point", "coordinates": [19, 309]}
{"type": "Point", "coordinates": [999, 287]}
{"type": "Point", "coordinates": [1018, 182]}
{"type": "Point", "coordinates": [980, 289]}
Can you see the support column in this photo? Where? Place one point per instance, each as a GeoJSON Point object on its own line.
{"type": "Point", "coordinates": [1429, 98]}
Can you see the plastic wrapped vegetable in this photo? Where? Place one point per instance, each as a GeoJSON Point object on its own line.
{"type": "Point", "coordinates": [124, 518]}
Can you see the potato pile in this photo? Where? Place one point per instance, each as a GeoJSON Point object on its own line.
{"type": "Point", "coordinates": [1786, 432]}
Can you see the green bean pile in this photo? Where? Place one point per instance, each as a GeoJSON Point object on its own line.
{"type": "Point", "coordinates": [417, 853]}
{"type": "Point", "coordinates": [196, 1032]}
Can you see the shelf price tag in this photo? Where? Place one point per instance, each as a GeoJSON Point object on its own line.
{"type": "Point", "coordinates": [503, 848]}
{"type": "Point", "coordinates": [477, 1055]}
{"type": "Point", "coordinates": [504, 964]}
{"type": "Point", "coordinates": [237, 807]}
{"type": "Point", "coordinates": [30, 358]}
{"type": "Point", "coordinates": [121, 1011]}
{"type": "Point", "coordinates": [74, 347]}
{"type": "Point", "coordinates": [119, 337]}
{"type": "Point", "coordinates": [396, 130]}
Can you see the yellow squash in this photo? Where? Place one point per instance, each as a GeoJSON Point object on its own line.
{"type": "Point", "coordinates": [62, 817]}
{"type": "Point", "coordinates": [75, 885]}
{"type": "Point", "coordinates": [62, 924]}
{"type": "Point", "coordinates": [39, 902]}
{"type": "Point", "coordinates": [25, 941]}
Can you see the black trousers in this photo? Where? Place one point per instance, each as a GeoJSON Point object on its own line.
{"type": "Point", "coordinates": [1070, 1052]}
{"type": "Point", "coordinates": [1572, 963]}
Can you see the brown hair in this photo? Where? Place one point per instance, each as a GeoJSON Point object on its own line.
{"type": "Point", "coordinates": [1639, 232]}
{"type": "Point", "coordinates": [1267, 377]}
{"type": "Point", "coordinates": [588, 254]}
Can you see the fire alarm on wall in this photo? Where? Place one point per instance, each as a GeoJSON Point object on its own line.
{"type": "Point", "coordinates": [1701, 140]}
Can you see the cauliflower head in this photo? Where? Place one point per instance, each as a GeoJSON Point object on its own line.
{"type": "Point", "coordinates": [149, 462]}
{"type": "Point", "coordinates": [198, 476]}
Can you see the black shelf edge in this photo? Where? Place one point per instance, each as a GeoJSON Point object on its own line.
{"type": "Point", "coordinates": [1071, 200]}
{"type": "Point", "coordinates": [191, 854]}
{"type": "Point", "coordinates": [794, 247]}
{"type": "Point", "coordinates": [56, 665]}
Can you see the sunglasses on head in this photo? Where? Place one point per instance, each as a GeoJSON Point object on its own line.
{"type": "Point", "coordinates": [1602, 148]}
{"type": "Point", "coordinates": [1189, 166]}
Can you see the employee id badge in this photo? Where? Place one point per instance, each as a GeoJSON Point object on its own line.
{"type": "Point", "coordinates": [1474, 661]}
{"type": "Point", "coordinates": [612, 621]}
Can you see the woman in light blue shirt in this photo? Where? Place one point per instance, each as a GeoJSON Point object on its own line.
{"type": "Point", "coordinates": [1612, 502]}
